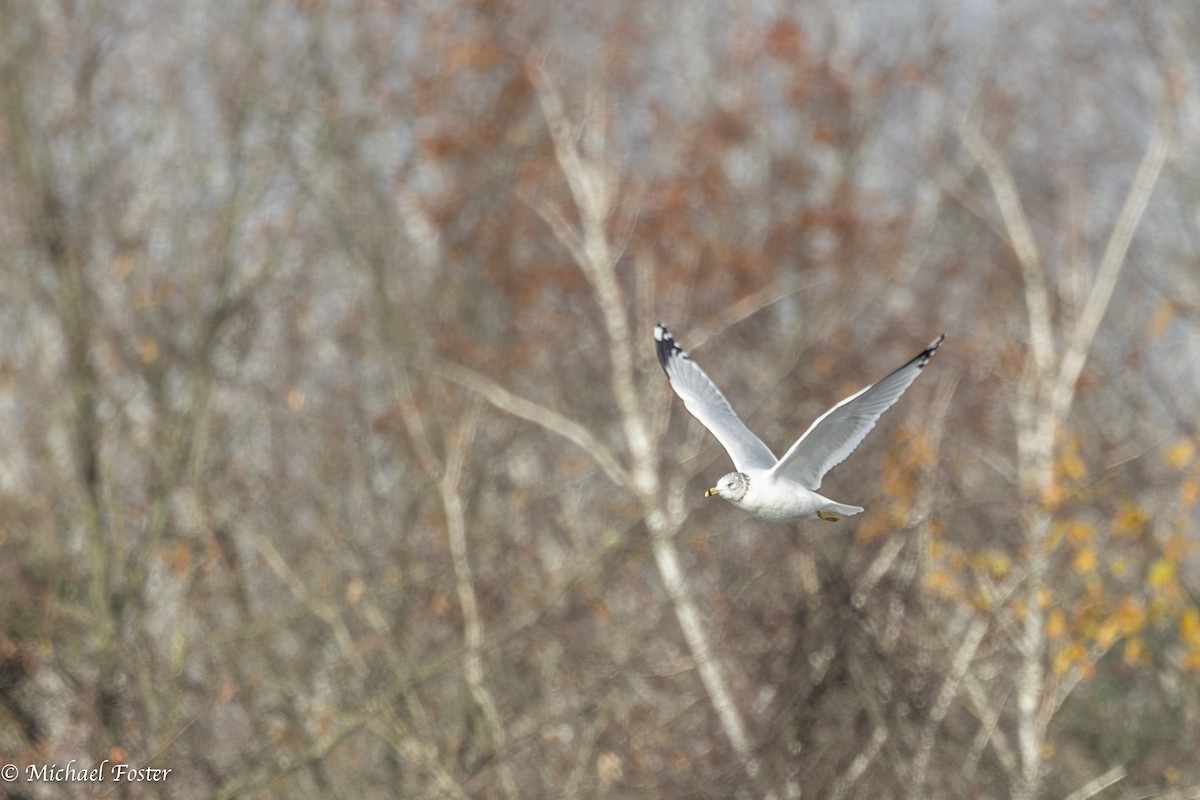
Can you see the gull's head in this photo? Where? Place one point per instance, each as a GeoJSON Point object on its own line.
{"type": "Point", "coordinates": [732, 487]}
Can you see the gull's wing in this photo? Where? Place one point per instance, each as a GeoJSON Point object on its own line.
{"type": "Point", "coordinates": [701, 397]}
{"type": "Point", "coordinates": [842, 428]}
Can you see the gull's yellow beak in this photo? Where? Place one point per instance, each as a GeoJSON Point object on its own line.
{"type": "Point", "coordinates": [711, 492]}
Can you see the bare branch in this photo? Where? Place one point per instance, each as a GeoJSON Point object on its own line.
{"type": "Point", "coordinates": [958, 668]}
{"type": "Point", "coordinates": [858, 766]}
{"type": "Point", "coordinates": [1020, 238]}
{"type": "Point", "coordinates": [1098, 784]}
{"type": "Point", "coordinates": [593, 188]}
{"type": "Point", "coordinates": [1119, 240]}
{"type": "Point", "coordinates": [456, 534]}
{"type": "Point", "coordinates": [505, 400]}
{"type": "Point", "coordinates": [990, 732]}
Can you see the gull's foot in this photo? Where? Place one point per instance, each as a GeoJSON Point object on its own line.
{"type": "Point", "coordinates": [825, 515]}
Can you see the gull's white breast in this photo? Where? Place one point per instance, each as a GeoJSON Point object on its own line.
{"type": "Point", "coordinates": [778, 499]}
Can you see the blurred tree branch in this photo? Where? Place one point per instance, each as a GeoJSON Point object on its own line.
{"type": "Point", "coordinates": [593, 187]}
{"type": "Point", "coordinates": [1047, 389]}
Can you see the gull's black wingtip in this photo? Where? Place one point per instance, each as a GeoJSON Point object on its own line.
{"type": "Point", "coordinates": [665, 345]}
{"type": "Point", "coordinates": [927, 353]}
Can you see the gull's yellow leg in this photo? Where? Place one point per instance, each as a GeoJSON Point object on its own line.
{"type": "Point", "coordinates": [825, 515]}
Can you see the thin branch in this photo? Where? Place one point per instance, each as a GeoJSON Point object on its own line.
{"type": "Point", "coordinates": [593, 189]}
{"type": "Point", "coordinates": [1119, 240]}
{"type": "Point", "coordinates": [456, 534]}
{"type": "Point", "coordinates": [712, 675]}
{"type": "Point", "coordinates": [503, 399]}
{"type": "Point", "coordinates": [990, 732]}
{"type": "Point", "coordinates": [1020, 238]}
{"type": "Point", "coordinates": [958, 668]}
{"type": "Point", "coordinates": [1098, 784]}
{"type": "Point", "coordinates": [858, 766]}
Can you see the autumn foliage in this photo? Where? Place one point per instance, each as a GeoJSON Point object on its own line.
{"type": "Point", "coordinates": [336, 456]}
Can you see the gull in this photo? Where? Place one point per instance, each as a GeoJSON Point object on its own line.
{"type": "Point", "coordinates": [784, 489]}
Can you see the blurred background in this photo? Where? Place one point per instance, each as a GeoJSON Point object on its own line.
{"type": "Point", "coordinates": [335, 460]}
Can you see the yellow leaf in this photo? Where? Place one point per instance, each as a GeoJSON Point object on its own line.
{"type": "Point", "coordinates": [1072, 655]}
{"type": "Point", "coordinates": [982, 601]}
{"type": "Point", "coordinates": [1062, 662]}
{"type": "Point", "coordinates": [1084, 561]}
{"type": "Point", "coordinates": [1080, 532]}
{"type": "Point", "coordinates": [1130, 616]}
{"type": "Point", "coordinates": [1056, 624]}
{"type": "Point", "coordinates": [1107, 634]}
{"type": "Point", "coordinates": [993, 562]}
{"type": "Point", "coordinates": [1189, 628]}
{"type": "Point", "coordinates": [1180, 454]}
{"type": "Point", "coordinates": [1130, 520]}
{"type": "Point", "coordinates": [1135, 652]}
{"type": "Point", "coordinates": [1071, 465]}
{"type": "Point", "coordinates": [1161, 574]}
{"type": "Point", "coordinates": [1044, 597]}
{"type": "Point", "coordinates": [1118, 567]}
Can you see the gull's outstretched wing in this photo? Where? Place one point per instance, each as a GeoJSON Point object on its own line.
{"type": "Point", "coordinates": [842, 428]}
{"type": "Point", "coordinates": [701, 397]}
